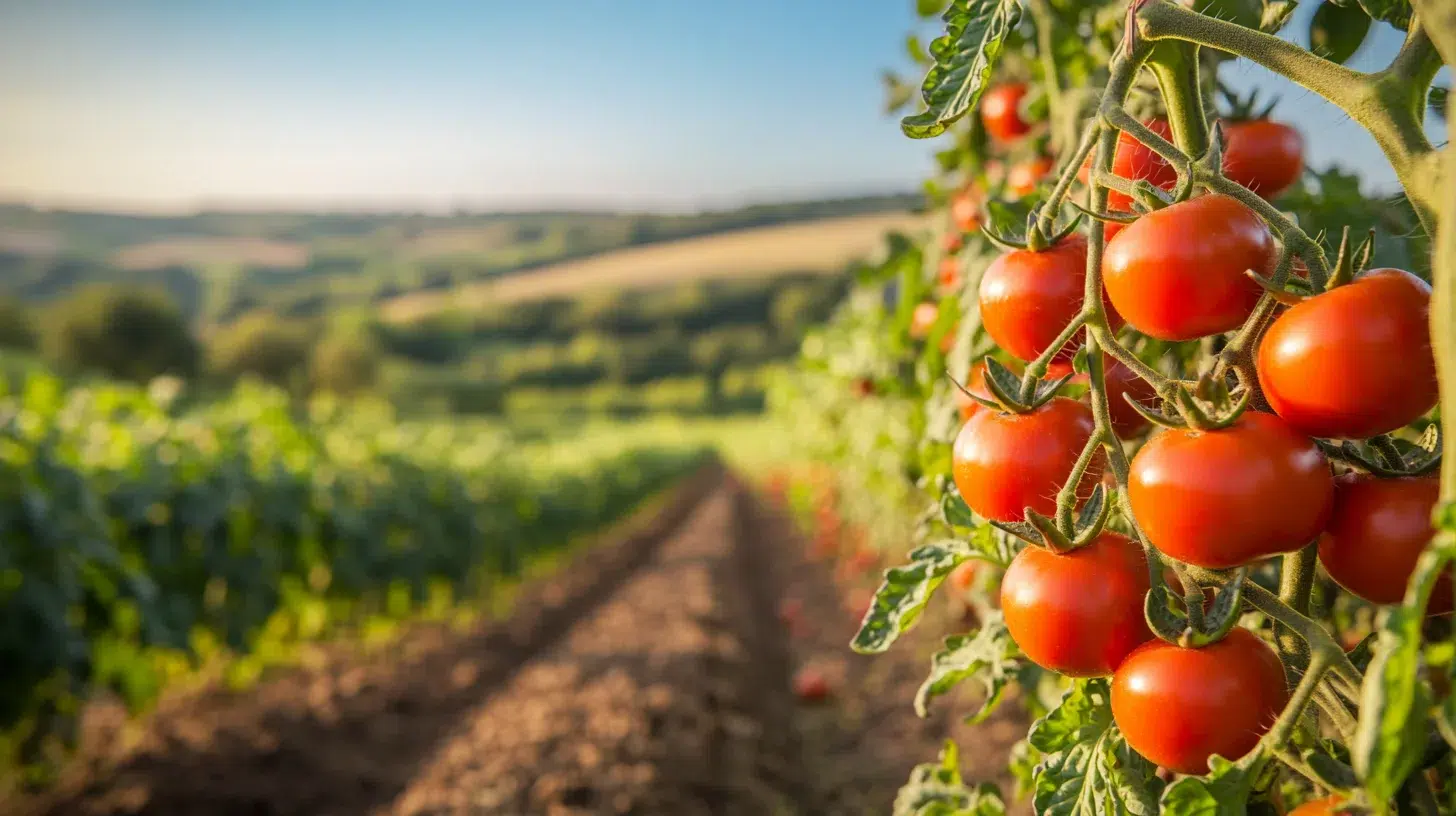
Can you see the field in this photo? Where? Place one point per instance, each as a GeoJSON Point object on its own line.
{"type": "Point", "coordinates": [821, 246]}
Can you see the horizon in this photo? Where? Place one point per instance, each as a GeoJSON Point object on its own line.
{"type": "Point", "coordinates": [154, 107]}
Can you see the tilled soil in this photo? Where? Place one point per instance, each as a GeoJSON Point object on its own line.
{"type": "Point", "coordinates": [651, 676]}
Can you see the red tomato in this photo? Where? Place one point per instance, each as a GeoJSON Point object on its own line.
{"type": "Point", "coordinates": [1024, 176]}
{"type": "Point", "coordinates": [1327, 806]}
{"type": "Point", "coordinates": [1000, 112]}
{"type": "Point", "coordinates": [963, 576]}
{"type": "Point", "coordinates": [1121, 383]}
{"type": "Point", "coordinates": [922, 319]}
{"type": "Point", "coordinates": [811, 686]}
{"type": "Point", "coordinates": [1178, 706]}
{"type": "Point", "coordinates": [1376, 533]}
{"type": "Point", "coordinates": [791, 610]}
{"type": "Point", "coordinates": [1004, 463]}
{"type": "Point", "coordinates": [1218, 499]}
{"type": "Point", "coordinates": [863, 387]}
{"type": "Point", "coordinates": [1080, 613]}
{"type": "Point", "coordinates": [965, 210]}
{"type": "Point", "coordinates": [949, 273]}
{"type": "Point", "coordinates": [1266, 157]}
{"type": "Point", "coordinates": [953, 243]}
{"type": "Point", "coordinates": [1027, 298]}
{"type": "Point", "coordinates": [1178, 273]}
{"type": "Point", "coordinates": [1135, 161]}
{"type": "Point", "coordinates": [1355, 361]}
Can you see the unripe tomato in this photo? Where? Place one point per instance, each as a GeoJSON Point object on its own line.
{"type": "Point", "coordinates": [923, 319]}
{"type": "Point", "coordinates": [1024, 176]}
{"type": "Point", "coordinates": [1080, 613]}
{"type": "Point", "coordinates": [1004, 463]}
{"type": "Point", "coordinates": [1000, 112]}
{"type": "Point", "coordinates": [1377, 531]}
{"type": "Point", "coordinates": [1219, 499]}
{"type": "Point", "coordinates": [1327, 806]}
{"type": "Point", "coordinates": [1028, 297]}
{"type": "Point", "coordinates": [965, 210]}
{"type": "Point", "coordinates": [1136, 161]}
{"type": "Point", "coordinates": [1355, 361]}
{"type": "Point", "coordinates": [949, 273]}
{"type": "Point", "coordinates": [1178, 273]}
{"type": "Point", "coordinates": [1178, 706]}
{"type": "Point", "coordinates": [1266, 157]}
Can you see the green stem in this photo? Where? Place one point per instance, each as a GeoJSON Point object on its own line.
{"type": "Point", "coordinates": [1289, 717]}
{"type": "Point", "coordinates": [1175, 65]}
{"type": "Point", "coordinates": [1443, 316]}
{"type": "Point", "coordinates": [1067, 496]}
{"type": "Point", "coordinates": [1296, 582]}
{"type": "Point", "coordinates": [1334, 708]}
{"type": "Point", "coordinates": [1036, 369]}
{"type": "Point", "coordinates": [1047, 218]}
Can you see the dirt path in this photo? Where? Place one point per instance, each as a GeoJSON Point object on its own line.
{"type": "Point", "coordinates": [652, 676]}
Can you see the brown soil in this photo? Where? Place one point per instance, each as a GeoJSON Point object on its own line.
{"type": "Point", "coordinates": [651, 676]}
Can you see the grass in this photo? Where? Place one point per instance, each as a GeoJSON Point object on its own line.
{"type": "Point", "coordinates": [818, 246]}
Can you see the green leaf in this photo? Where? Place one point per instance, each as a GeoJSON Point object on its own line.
{"type": "Point", "coordinates": [964, 55]}
{"type": "Point", "coordinates": [1393, 706]}
{"type": "Point", "coordinates": [1223, 792]}
{"type": "Point", "coordinates": [936, 789]}
{"type": "Point", "coordinates": [1247, 13]}
{"type": "Point", "coordinates": [954, 510]}
{"type": "Point", "coordinates": [902, 597]}
{"type": "Point", "coordinates": [1436, 103]}
{"type": "Point", "coordinates": [989, 656]}
{"type": "Point", "coordinates": [1337, 32]}
{"type": "Point", "coordinates": [1395, 12]}
{"type": "Point", "coordinates": [1087, 768]}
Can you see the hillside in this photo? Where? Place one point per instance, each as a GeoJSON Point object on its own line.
{"type": "Point", "coordinates": [818, 246]}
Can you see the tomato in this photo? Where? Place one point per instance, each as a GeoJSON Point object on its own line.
{"type": "Point", "coordinates": [1218, 499]}
{"type": "Point", "coordinates": [1266, 157]}
{"type": "Point", "coordinates": [953, 243]}
{"type": "Point", "coordinates": [1028, 297]}
{"type": "Point", "coordinates": [1080, 613]}
{"type": "Point", "coordinates": [1355, 361]}
{"type": "Point", "coordinates": [863, 387]}
{"type": "Point", "coordinates": [1123, 382]}
{"type": "Point", "coordinates": [1327, 806]}
{"type": "Point", "coordinates": [963, 577]}
{"type": "Point", "coordinates": [1001, 114]}
{"type": "Point", "coordinates": [1377, 531]}
{"type": "Point", "coordinates": [949, 273]}
{"type": "Point", "coordinates": [1004, 463]}
{"type": "Point", "coordinates": [1135, 161]}
{"type": "Point", "coordinates": [965, 210]}
{"type": "Point", "coordinates": [923, 319]}
{"type": "Point", "coordinates": [1024, 176]}
{"type": "Point", "coordinates": [1178, 706]}
{"type": "Point", "coordinates": [1178, 273]}
{"type": "Point", "coordinates": [811, 686]}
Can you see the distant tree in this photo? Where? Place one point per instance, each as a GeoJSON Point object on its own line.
{"type": "Point", "coordinates": [262, 346]}
{"type": "Point", "coordinates": [344, 364]}
{"type": "Point", "coordinates": [17, 325]}
{"type": "Point", "coordinates": [122, 332]}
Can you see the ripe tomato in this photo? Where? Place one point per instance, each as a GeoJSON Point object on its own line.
{"type": "Point", "coordinates": [1000, 112]}
{"type": "Point", "coordinates": [1355, 361]}
{"type": "Point", "coordinates": [922, 319]}
{"type": "Point", "coordinates": [1027, 298]}
{"type": "Point", "coordinates": [863, 387]}
{"type": "Point", "coordinates": [1377, 531]}
{"type": "Point", "coordinates": [1266, 157]}
{"type": "Point", "coordinates": [1134, 160]}
{"type": "Point", "coordinates": [963, 576]}
{"type": "Point", "coordinates": [953, 243]}
{"type": "Point", "coordinates": [1004, 463]}
{"type": "Point", "coordinates": [1122, 382]}
{"type": "Point", "coordinates": [1178, 706]}
{"type": "Point", "coordinates": [1080, 613]}
{"type": "Point", "coordinates": [1218, 499]}
{"type": "Point", "coordinates": [1024, 176]}
{"type": "Point", "coordinates": [811, 686]}
{"type": "Point", "coordinates": [1178, 273]}
{"type": "Point", "coordinates": [965, 210]}
{"type": "Point", "coordinates": [1327, 806]}
{"type": "Point", "coordinates": [949, 273]}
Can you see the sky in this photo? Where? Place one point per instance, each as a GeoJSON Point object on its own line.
{"type": "Point", "coordinates": [484, 104]}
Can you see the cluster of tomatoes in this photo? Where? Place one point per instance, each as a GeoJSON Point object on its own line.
{"type": "Point", "coordinates": [1349, 363]}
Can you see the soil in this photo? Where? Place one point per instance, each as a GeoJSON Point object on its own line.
{"type": "Point", "coordinates": [655, 674]}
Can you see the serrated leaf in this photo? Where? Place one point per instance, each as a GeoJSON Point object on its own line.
{"type": "Point", "coordinates": [954, 510]}
{"type": "Point", "coordinates": [1087, 768]}
{"type": "Point", "coordinates": [964, 55]}
{"type": "Point", "coordinates": [989, 656]}
{"type": "Point", "coordinates": [1337, 32]}
{"type": "Point", "coordinates": [1223, 792]}
{"type": "Point", "coordinates": [937, 789]}
{"type": "Point", "coordinates": [902, 597]}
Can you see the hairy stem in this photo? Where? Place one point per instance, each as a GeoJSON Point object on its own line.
{"type": "Point", "coordinates": [1175, 65]}
{"type": "Point", "coordinates": [1443, 315]}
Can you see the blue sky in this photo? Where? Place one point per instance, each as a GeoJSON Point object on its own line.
{"type": "Point", "coordinates": [173, 104]}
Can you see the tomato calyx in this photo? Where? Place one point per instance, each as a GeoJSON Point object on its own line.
{"type": "Point", "coordinates": [1197, 623]}
{"type": "Point", "coordinates": [1389, 457]}
{"type": "Point", "coordinates": [1121, 219]}
{"type": "Point", "coordinates": [1243, 108]}
{"type": "Point", "coordinates": [1036, 239]}
{"type": "Point", "coordinates": [1090, 522]}
{"type": "Point", "coordinates": [1209, 406]}
{"type": "Point", "coordinates": [1006, 392]}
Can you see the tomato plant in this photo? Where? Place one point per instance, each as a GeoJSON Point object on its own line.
{"type": "Point", "coordinates": [1300, 402]}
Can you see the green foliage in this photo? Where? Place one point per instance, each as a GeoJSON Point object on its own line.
{"type": "Point", "coordinates": [1336, 32]}
{"type": "Point", "coordinates": [17, 326]}
{"type": "Point", "coordinates": [120, 332]}
{"type": "Point", "coordinates": [904, 594]}
{"type": "Point", "coordinates": [936, 789]}
{"type": "Point", "coordinates": [344, 363]}
{"type": "Point", "coordinates": [964, 56]}
{"type": "Point", "coordinates": [988, 655]}
{"type": "Point", "coordinates": [1087, 769]}
{"type": "Point", "coordinates": [264, 347]}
